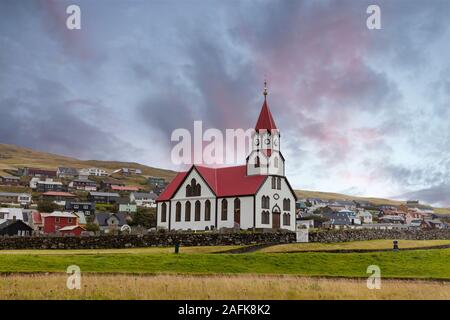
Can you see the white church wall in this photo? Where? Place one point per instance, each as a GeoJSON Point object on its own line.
{"type": "Point", "coordinates": [285, 192]}
{"type": "Point", "coordinates": [246, 213]}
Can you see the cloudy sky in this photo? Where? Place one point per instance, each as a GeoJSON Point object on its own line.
{"type": "Point", "coordinates": [364, 112]}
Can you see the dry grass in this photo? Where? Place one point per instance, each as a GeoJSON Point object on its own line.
{"type": "Point", "coordinates": [339, 196]}
{"type": "Point", "coordinates": [149, 250]}
{"type": "Point", "coordinates": [214, 287]}
{"type": "Point", "coordinates": [369, 245]}
{"type": "Point", "coordinates": [12, 157]}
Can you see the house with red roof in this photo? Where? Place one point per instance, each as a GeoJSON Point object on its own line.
{"type": "Point", "coordinates": [58, 220]}
{"type": "Point", "coordinates": [256, 195]}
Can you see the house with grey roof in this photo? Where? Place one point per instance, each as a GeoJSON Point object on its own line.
{"type": "Point", "coordinates": [110, 221]}
{"type": "Point", "coordinates": [103, 197]}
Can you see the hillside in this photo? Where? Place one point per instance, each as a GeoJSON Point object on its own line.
{"type": "Point", "coordinates": [339, 196]}
{"type": "Point", "coordinates": [12, 157]}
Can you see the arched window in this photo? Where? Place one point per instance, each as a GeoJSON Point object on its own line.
{"type": "Point", "coordinates": [257, 162]}
{"type": "Point", "coordinates": [265, 217]}
{"type": "Point", "coordinates": [187, 212]}
{"type": "Point", "coordinates": [275, 162]}
{"type": "Point", "coordinates": [224, 210]}
{"type": "Point", "coordinates": [178, 212]}
{"type": "Point", "coordinates": [207, 210]}
{"type": "Point", "coordinates": [265, 202]}
{"type": "Point", "coordinates": [274, 182]}
{"type": "Point", "coordinates": [237, 211]}
{"type": "Point", "coordinates": [164, 212]}
{"type": "Point", "coordinates": [279, 183]}
{"type": "Point", "coordinates": [197, 210]}
{"type": "Point", "coordinates": [287, 219]}
{"type": "Point", "coordinates": [193, 189]}
{"type": "Point", "coordinates": [286, 204]}
{"type": "Point", "coordinates": [188, 191]}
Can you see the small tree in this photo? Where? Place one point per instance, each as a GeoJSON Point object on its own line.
{"type": "Point", "coordinates": [47, 206]}
{"type": "Point", "coordinates": [145, 217]}
{"type": "Point", "coordinates": [92, 227]}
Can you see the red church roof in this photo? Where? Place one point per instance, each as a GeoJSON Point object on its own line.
{"type": "Point", "coordinates": [265, 120]}
{"type": "Point", "coordinates": [224, 182]}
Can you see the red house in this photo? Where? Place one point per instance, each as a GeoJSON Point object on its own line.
{"type": "Point", "coordinates": [58, 220]}
{"type": "Point", "coordinates": [72, 230]}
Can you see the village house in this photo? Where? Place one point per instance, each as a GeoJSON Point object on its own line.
{"type": "Point", "coordinates": [37, 172]}
{"type": "Point", "coordinates": [252, 196]}
{"type": "Point", "coordinates": [108, 222]}
{"type": "Point", "coordinates": [106, 184]}
{"type": "Point", "coordinates": [11, 214]}
{"type": "Point", "coordinates": [93, 172]}
{"type": "Point", "coordinates": [71, 230]}
{"type": "Point", "coordinates": [143, 199]}
{"type": "Point", "coordinates": [36, 221]}
{"type": "Point", "coordinates": [127, 208]}
{"type": "Point", "coordinates": [364, 216]}
{"type": "Point", "coordinates": [63, 172]}
{"type": "Point", "coordinates": [15, 197]}
{"type": "Point", "coordinates": [83, 184]}
{"type": "Point", "coordinates": [124, 188]}
{"type": "Point", "coordinates": [128, 171]}
{"type": "Point", "coordinates": [58, 197]}
{"type": "Point", "coordinates": [57, 220]}
{"type": "Point", "coordinates": [48, 185]}
{"type": "Point", "coordinates": [9, 180]}
{"type": "Point", "coordinates": [88, 208]}
{"type": "Point", "coordinates": [103, 197]}
{"type": "Point", "coordinates": [156, 181]}
{"type": "Point", "coordinates": [15, 228]}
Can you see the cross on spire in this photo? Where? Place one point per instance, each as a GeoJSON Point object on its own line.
{"type": "Point", "coordinates": [265, 89]}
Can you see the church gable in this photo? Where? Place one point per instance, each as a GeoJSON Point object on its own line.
{"type": "Point", "coordinates": [194, 185]}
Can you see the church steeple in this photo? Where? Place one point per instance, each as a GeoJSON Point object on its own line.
{"type": "Point", "coordinates": [265, 119]}
{"type": "Point", "coordinates": [265, 157]}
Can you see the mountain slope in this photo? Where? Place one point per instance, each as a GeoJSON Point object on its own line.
{"type": "Point", "coordinates": [12, 157]}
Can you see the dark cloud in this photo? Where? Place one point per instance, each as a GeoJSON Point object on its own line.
{"type": "Point", "coordinates": [436, 195]}
{"type": "Point", "coordinates": [39, 118]}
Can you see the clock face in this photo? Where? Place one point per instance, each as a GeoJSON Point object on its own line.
{"type": "Point", "coordinates": [276, 196]}
{"type": "Point", "coordinates": [267, 141]}
{"type": "Point", "coordinates": [275, 142]}
{"type": "Point", "coordinates": [257, 141]}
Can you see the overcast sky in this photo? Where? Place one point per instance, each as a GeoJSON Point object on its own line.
{"type": "Point", "coordinates": [364, 112]}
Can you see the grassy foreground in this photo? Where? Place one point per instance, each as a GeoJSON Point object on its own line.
{"type": "Point", "coordinates": [214, 287]}
{"type": "Point", "coordinates": [423, 264]}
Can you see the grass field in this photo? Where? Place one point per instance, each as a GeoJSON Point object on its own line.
{"type": "Point", "coordinates": [419, 264]}
{"type": "Point", "coordinates": [148, 250]}
{"type": "Point", "coordinates": [239, 287]}
{"type": "Point", "coordinates": [354, 245]}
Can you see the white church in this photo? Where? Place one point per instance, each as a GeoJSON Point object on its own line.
{"type": "Point", "coordinates": [252, 196]}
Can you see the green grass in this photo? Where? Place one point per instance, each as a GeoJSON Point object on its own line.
{"type": "Point", "coordinates": [423, 264]}
{"type": "Point", "coordinates": [148, 250]}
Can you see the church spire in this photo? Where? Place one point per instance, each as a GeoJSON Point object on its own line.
{"type": "Point", "coordinates": [265, 119]}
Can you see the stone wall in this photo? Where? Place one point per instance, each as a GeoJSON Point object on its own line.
{"type": "Point", "coordinates": [136, 241]}
{"type": "Point", "coordinates": [210, 239]}
{"type": "Point", "coordinates": [373, 234]}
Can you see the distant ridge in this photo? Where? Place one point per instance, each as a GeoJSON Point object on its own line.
{"type": "Point", "coordinates": [12, 156]}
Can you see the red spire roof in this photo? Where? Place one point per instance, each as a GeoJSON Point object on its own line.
{"type": "Point", "coordinates": [265, 120]}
